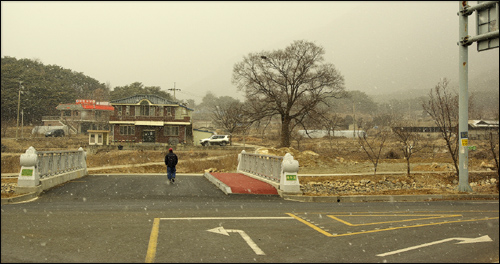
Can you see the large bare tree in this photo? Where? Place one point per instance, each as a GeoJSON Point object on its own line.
{"type": "Point", "coordinates": [287, 83]}
{"type": "Point", "coordinates": [442, 106]}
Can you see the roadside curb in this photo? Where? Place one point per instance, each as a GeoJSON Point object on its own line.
{"type": "Point", "coordinates": [222, 186]}
{"type": "Point", "coordinates": [20, 198]}
{"type": "Point", "coordinates": [389, 198]}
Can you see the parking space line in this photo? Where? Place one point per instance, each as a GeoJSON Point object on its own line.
{"type": "Point", "coordinates": [388, 222]}
{"type": "Point", "coordinates": [153, 241]}
{"type": "Point", "coordinates": [401, 227]}
{"type": "Point", "coordinates": [381, 230]}
{"type": "Point", "coordinates": [311, 225]}
{"type": "Point", "coordinates": [228, 218]}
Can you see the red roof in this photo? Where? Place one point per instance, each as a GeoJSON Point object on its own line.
{"type": "Point", "coordinates": [84, 107]}
{"type": "Point", "coordinates": [98, 107]}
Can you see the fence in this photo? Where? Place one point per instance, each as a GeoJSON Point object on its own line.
{"type": "Point", "coordinates": [266, 166]}
{"type": "Point", "coordinates": [45, 169]}
{"type": "Point", "coordinates": [282, 170]}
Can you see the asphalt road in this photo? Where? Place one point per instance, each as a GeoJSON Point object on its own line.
{"type": "Point", "coordinates": [141, 218]}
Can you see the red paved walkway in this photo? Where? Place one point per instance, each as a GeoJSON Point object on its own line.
{"type": "Point", "coordinates": [240, 183]}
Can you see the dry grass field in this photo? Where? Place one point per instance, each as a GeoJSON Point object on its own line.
{"type": "Point", "coordinates": [316, 157]}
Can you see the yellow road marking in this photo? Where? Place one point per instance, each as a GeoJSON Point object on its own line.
{"type": "Point", "coordinates": [311, 225]}
{"type": "Point", "coordinates": [387, 222]}
{"type": "Point", "coordinates": [381, 230]}
{"type": "Point", "coordinates": [401, 227]}
{"type": "Point", "coordinates": [404, 212]}
{"type": "Point", "coordinates": [150, 255]}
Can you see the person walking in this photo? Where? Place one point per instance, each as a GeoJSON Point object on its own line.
{"type": "Point", "coordinates": [171, 162]}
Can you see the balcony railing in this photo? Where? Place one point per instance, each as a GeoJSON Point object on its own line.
{"type": "Point", "coordinates": [148, 118]}
{"type": "Point", "coordinates": [74, 118]}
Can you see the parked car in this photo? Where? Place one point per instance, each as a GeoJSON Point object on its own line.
{"type": "Point", "coordinates": [221, 140]}
{"type": "Point", "coordinates": [55, 133]}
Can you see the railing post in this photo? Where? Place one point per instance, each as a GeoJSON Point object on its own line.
{"type": "Point", "coordinates": [241, 162]}
{"type": "Point", "coordinates": [83, 160]}
{"type": "Point", "coordinates": [289, 182]}
{"type": "Point", "coordinates": [28, 176]}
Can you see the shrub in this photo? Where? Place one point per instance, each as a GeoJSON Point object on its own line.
{"type": "Point", "coordinates": [391, 154]}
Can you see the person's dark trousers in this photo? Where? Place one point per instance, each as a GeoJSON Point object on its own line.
{"type": "Point", "coordinates": [170, 173]}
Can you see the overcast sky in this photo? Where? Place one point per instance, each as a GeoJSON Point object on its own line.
{"type": "Point", "coordinates": [377, 46]}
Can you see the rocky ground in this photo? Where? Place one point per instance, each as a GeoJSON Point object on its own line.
{"type": "Point", "coordinates": [383, 184]}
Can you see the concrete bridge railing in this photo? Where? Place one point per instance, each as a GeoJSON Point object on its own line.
{"type": "Point", "coordinates": [277, 169]}
{"type": "Point", "coordinates": [41, 170]}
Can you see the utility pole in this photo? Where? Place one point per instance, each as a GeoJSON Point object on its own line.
{"type": "Point", "coordinates": [463, 54]}
{"type": "Point", "coordinates": [22, 122]}
{"type": "Point", "coordinates": [18, 106]}
{"type": "Point", "coordinates": [354, 120]}
{"type": "Point", "coordinates": [487, 38]}
{"type": "Point", "coordinates": [174, 89]}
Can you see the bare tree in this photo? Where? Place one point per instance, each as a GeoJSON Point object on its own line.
{"type": "Point", "coordinates": [5, 126]}
{"type": "Point", "coordinates": [410, 142]}
{"type": "Point", "coordinates": [230, 117]}
{"type": "Point", "coordinates": [322, 118]}
{"type": "Point", "coordinates": [287, 83]}
{"type": "Point", "coordinates": [373, 146]}
{"type": "Point", "coordinates": [493, 135]}
{"type": "Point", "coordinates": [331, 122]}
{"type": "Point", "coordinates": [442, 106]}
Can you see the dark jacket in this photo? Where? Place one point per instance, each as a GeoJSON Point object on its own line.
{"type": "Point", "coordinates": [171, 160]}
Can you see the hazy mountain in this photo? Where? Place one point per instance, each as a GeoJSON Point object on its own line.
{"type": "Point", "coordinates": [485, 86]}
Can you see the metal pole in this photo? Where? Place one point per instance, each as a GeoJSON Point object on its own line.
{"type": "Point", "coordinates": [22, 122]}
{"type": "Point", "coordinates": [18, 106]}
{"type": "Point", "coordinates": [463, 104]}
{"type": "Point", "coordinates": [354, 120]}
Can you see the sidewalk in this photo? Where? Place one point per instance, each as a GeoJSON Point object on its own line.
{"type": "Point", "coordinates": [237, 183]}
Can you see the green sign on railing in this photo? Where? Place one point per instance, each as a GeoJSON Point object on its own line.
{"type": "Point", "coordinates": [291, 177]}
{"type": "Point", "coordinates": [27, 172]}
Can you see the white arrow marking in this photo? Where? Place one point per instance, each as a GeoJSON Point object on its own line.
{"type": "Point", "coordinates": [253, 246]}
{"type": "Point", "coordinates": [464, 240]}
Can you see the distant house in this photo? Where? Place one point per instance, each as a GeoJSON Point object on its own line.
{"type": "Point", "coordinates": [151, 119]}
{"type": "Point", "coordinates": [477, 129]}
{"type": "Point", "coordinates": [335, 133]}
{"type": "Point", "coordinates": [80, 116]}
{"type": "Point", "coordinates": [480, 129]}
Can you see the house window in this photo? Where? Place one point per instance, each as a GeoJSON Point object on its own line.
{"type": "Point", "coordinates": [169, 111]}
{"type": "Point", "coordinates": [127, 111]}
{"type": "Point", "coordinates": [144, 108]}
{"type": "Point", "coordinates": [160, 112]}
{"type": "Point", "coordinates": [127, 130]}
{"type": "Point", "coordinates": [171, 131]}
{"type": "Point", "coordinates": [152, 111]}
{"type": "Point", "coordinates": [119, 108]}
{"type": "Point", "coordinates": [137, 110]}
